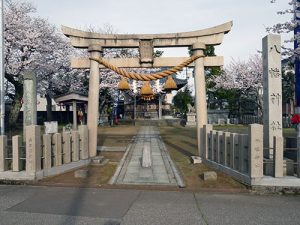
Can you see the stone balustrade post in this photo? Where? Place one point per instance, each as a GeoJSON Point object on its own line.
{"type": "Point", "coordinates": [3, 153]}
{"type": "Point", "coordinates": [33, 148]}
{"type": "Point", "coordinates": [93, 99]}
{"type": "Point", "coordinates": [16, 153]}
{"type": "Point", "coordinates": [212, 155]}
{"type": "Point", "coordinates": [219, 146]}
{"type": "Point", "coordinates": [47, 147]}
{"type": "Point", "coordinates": [207, 128]}
{"type": "Point", "coordinates": [226, 157]}
{"type": "Point", "coordinates": [84, 142]}
{"type": "Point", "coordinates": [66, 147]}
{"type": "Point", "coordinates": [57, 149]}
{"type": "Point", "coordinates": [243, 153]}
{"type": "Point", "coordinates": [278, 156]}
{"type": "Point", "coordinates": [75, 146]}
{"type": "Point", "coordinates": [255, 140]}
{"type": "Point", "coordinates": [232, 150]}
{"type": "Point", "coordinates": [237, 153]}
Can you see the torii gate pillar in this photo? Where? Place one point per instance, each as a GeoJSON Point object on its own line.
{"type": "Point", "coordinates": [93, 104]}
{"type": "Point", "coordinates": [200, 92]}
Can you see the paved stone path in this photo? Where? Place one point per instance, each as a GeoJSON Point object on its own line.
{"type": "Point", "coordinates": [161, 172]}
{"type": "Point", "coordinates": [86, 206]}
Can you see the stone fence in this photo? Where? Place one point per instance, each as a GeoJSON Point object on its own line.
{"type": "Point", "coordinates": [238, 155]}
{"type": "Point", "coordinates": [43, 155]}
{"type": "Point", "coordinates": [241, 156]}
{"type": "Point", "coordinates": [251, 119]}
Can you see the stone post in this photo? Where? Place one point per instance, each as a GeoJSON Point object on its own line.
{"type": "Point", "coordinates": [212, 155]}
{"type": "Point", "coordinates": [200, 92]}
{"type": "Point", "coordinates": [33, 148]}
{"type": "Point", "coordinates": [74, 115]}
{"type": "Point", "coordinates": [75, 146]}
{"type": "Point", "coordinates": [93, 104]}
{"type": "Point", "coordinates": [226, 138]}
{"type": "Point", "coordinates": [66, 147]}
{"type": "Point", "coordinates": [204, 141]}
{"type": "Point", "coordinates": [232, 150]}
{"type": "Point", "coordinates": [272, 93]}
{"type": "Point", "coordinates": [218, 146]}
{"type": "Point", "coordinates": [255, 150]}
{"type": "Point", "coordinates": [16, 153]}
{"type": "Point", "coordinates": [278, 156]}
{"type": "Point", "coordinates": [243, 152]}
{"type": "Point", "coordinates": [29, 101]}
{"type": "Point", "coordinates": [47, 150]}
{"type": "Point", "coordinates": [84, 142]}
{"type": "Point", "coordinates": [3, 153]}
{"type": "Point", "coordinates": [57, 149]}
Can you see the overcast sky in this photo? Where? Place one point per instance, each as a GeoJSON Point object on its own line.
{"type": "Point", "coordinates": [250, 18]}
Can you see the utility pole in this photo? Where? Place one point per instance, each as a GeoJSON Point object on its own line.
{"type": "Point", "coordinates": [2, 91]}
{"type": "Point", "coordinates": [297, 58]}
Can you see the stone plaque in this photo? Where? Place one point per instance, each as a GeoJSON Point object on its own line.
{"type": "Point", "coordinates": [146, 51]}
{"type": "Point", "coordinates": [51, 127]}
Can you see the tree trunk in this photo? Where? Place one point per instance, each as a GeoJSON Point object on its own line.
{"type": "Point", "coordinates": [102, 105]}
{"type": "Point", "coordinates": [49, 108]}
{"type": "Point", "coordinates": [15, 108]}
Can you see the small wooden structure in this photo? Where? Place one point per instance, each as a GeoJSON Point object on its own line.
{"type": "Point", "coordinates": [74, 99]}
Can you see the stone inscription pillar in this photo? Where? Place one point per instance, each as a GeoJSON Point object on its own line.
{"type": "Point", "coordinates": [93, 104]}
{"type": "Point", "coordinates": [33, 149]}
{"type": "Point", "coordinates": [29, 101]}
{"type": "Point", "coordinates": [255, 145]}
{"type": "Point", "coordinates": [200, 92]}
{"type": "Point", "coordinates": [272, 95]}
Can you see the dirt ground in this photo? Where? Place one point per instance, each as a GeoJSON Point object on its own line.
{"type": "Point", "coordinates": [98, 175]}
{"type": "Point", "coordinates": [117, 135]}
{"type": "Point", "coordinates": [181, 143]}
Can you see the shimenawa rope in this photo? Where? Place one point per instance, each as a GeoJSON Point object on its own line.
{"type": "Point", "coordinates": [146, 77]}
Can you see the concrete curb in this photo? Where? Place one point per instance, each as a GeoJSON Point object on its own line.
{"type": "Point", "coordinates": [174, 168]}
{"type": "Point", "coordinates": [114, 178]}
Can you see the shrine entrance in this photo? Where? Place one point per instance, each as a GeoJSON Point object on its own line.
{"type": "Point", "coordinates": [96, 42]}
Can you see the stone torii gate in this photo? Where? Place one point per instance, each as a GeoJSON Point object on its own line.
{"type": "Point", "coordinates": [95, 43]}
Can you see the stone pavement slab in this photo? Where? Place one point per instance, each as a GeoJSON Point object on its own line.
{"type": "Point", "coordinates": [164, 208]}
{"type": "Point", "coordinates": [236, 209]}
{"type": "Point", "coordinates": [78, 201]}
{"type": "Point", "coordinates": [160, 171]}
{"type": "Point", "coordinates": [62, 206]}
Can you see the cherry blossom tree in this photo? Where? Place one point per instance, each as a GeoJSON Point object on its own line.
{"type": "Point", "coordinates": [286, 27]}
{"type": "Point", "coordinates": [32, 43]}
{"type": "Point", "coordinates": [244, 79]}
